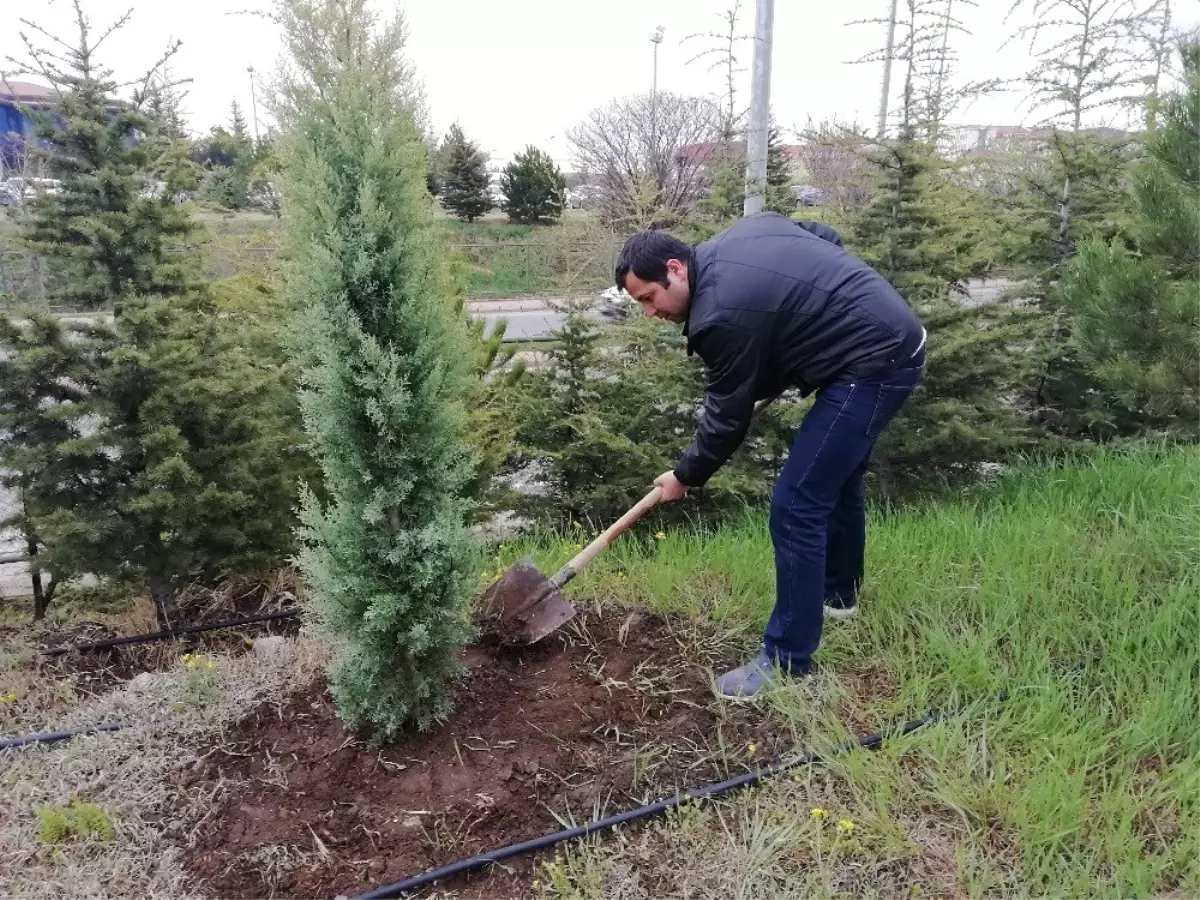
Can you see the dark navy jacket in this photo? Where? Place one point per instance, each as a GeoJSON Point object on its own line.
{"type": "Point", "coordinates": [778, 304]}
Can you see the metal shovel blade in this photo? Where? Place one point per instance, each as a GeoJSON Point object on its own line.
{"type": "Point", "coordinates": [524, 606]}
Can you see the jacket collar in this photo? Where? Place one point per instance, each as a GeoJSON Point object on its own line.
{"type": "Point", "coordinates": [692, 274]}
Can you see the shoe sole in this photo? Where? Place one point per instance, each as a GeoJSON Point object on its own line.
{"type": "Point", "coordinates": [836, 612]}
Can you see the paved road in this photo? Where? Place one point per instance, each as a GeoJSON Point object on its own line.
{"type": "Point", "coordinates": [525, 325]}
{"type": "Point", "coordinates": [530, 320]}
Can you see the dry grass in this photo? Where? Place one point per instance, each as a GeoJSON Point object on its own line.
{"type": "Point", "coordinates": [138, 777]}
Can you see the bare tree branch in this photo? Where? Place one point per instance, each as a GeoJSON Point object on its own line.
{"type": "Point", "coordinates": [637, 168]}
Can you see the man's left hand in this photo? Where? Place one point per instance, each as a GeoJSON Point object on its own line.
{"type": "Point", "coordinates": [672, 488]}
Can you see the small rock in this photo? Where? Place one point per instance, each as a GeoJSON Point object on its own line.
{"type": "Point", "coordinates": [505, 773]}
{"type": "Point", "coordinates": [267, 647]}
{"type": "Point", "coordinates": [527, 766]}
{"type": "Point", "coordinates": [411, 822]}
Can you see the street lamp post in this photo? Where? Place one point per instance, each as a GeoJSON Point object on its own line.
{"type": "Point", "coordinates": [655, 39]}
{"type": "Point", "coordinates": [760, 109]}
{"type": "Point", "coordinates": [253, 104]}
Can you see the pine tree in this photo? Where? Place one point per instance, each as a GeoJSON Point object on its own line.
{"type": "Point", "coordinates": [927, 236]}
{"type": "Point", "coordinates": [726, 195]}
{"type": "Point", "coordinates": [387, 556]}
{"type": "Point", "coordinates": [237, 125]}
{"type": "Point", "coordinates": [534, 189]}
{"type": "Point", "coordinates": [198, 478]}
{"type": "Point", "coordinates": [1093, 61]}
{"type": "Point", "coordinates": [596, 421]}
{"type": "Point", "coordinates": [167, 145]}
{"type": "Point", "coordinates": [184, 471]}
{"type": "Point", "coordinates": [1136, 312]}
{"type": "Point", "coordinates": [47, 382]}
{"type": "Point", "coordinates": [779, 176]}
{"type": "Point", "coordinates": [102, 240]}
{"type": "Point", "coordinates": [464, 182]}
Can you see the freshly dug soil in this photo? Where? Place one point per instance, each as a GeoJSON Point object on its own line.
{"type": "Point", "coordinates": [600, 717]}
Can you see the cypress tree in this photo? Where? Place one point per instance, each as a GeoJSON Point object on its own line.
{"type": "Point", "coordinates": [387, 555]}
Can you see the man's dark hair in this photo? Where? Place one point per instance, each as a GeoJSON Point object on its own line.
{"type": "Point", "coordinates": [646, 254]}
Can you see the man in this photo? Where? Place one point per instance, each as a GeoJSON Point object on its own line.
{"type": "Point", "coordinates": [770, 304]}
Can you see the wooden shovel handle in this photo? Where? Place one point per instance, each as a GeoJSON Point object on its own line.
{"type": "Point", "coordinates": [614, 531]}
{"type": "Point", "coordinates": [619, 527]}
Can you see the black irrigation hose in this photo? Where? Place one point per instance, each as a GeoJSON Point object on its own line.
{"type": "Point", "coordinates": [49, 737]}
{"type": "Point", "coordinates": [167, 635]}
{"type": "Point", "coordinates": [653, 809]}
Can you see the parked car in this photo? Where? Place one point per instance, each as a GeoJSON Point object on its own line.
{"type": "Point", "coordinates": [807, 195]}
{"type": "Point", "coordinates": [614, 304]}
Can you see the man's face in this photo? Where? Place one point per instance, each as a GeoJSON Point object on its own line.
{"type": "Point", "coordinates": [669, 302]}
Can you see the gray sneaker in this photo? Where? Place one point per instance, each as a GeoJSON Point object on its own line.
{"type": "Point", "coordinates": [840, 607]}
{"type": "Point", "coordinates": [743, 683]}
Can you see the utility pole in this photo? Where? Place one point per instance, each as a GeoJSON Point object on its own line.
{"type": "Point", "coordinates": [760, 109]}
{"type": "Point", "coordinates": [655, 39]}
{"type": "Point", "coordinates": [888, 52]}
{"type": "Point", "coordinates": [253, 104]}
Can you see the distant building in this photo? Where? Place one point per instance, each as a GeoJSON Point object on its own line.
{"type": "Point", "coordinates": [968, 140]}
{"type": "Point", "coordinates": [17, 98]}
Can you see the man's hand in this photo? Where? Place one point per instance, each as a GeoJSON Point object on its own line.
{"type": "Point", "coordinates": [672, 488]}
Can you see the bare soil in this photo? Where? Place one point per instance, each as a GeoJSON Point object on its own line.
{"type": "Point", "coordinates": [611, 712]}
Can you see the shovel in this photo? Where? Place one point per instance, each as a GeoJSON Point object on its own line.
{"type": "Point", "coordinates": [524, 606]}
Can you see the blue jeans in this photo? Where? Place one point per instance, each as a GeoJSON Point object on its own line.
{"type": "Point", "coordinates": [818, 514]}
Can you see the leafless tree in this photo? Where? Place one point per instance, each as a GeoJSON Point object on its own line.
{"type": "Point", "coordinates": [645, 175]}
{"type": "Point", "coordinates": [61, 63]}
{"type": "Point", "coordinates": [1089, 59]}
{"type": "Point", "coordinates": [835, 160]}
{"type": "Point", "coordinates": [1155, 32]}
{"type": "Point", "coordinates": [932, 87]}
{"type": "Point", "coordinates": [1088, 56]}
{"type": "Point", "coordinates": [722, 54]}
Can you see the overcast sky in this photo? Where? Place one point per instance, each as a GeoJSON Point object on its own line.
{"type": "Point", "coordinates": [524, 71]}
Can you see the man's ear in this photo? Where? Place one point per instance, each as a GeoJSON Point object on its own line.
{"type": "Point", "coordinates": [677, 267]}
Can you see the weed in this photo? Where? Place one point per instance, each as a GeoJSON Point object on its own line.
{"type": "Point", "coordinates": [200, 686]}
{"type": "Point", "coordinates": [77, 820]}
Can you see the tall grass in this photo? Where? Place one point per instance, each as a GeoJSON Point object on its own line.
{"type": "Point", "coordinates": [1076, 590]}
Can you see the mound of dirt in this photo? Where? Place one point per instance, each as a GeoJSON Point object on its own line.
{"type": "Point", "coordinates": [601, 717]}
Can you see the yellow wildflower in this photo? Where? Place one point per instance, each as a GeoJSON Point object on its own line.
{"type": "Point", "coordinates": [661, 536]}
{"type": "Point", "coordinates": [845, 826]}
{"type": "Point", "coordinates": [819, 814]}
{"type": "Point", "coordinates": [751, 747]}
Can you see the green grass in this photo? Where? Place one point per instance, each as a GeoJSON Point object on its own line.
{"type": "Point", "coordinates": [1083, 783]}
{"type": "Point", "coordinates": [76, 820]}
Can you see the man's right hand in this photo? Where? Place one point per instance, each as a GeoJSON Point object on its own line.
{"type": "Point", "coordinates": [672, 488]}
